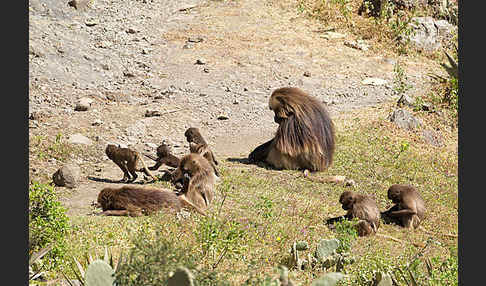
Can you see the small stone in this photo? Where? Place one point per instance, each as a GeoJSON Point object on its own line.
{"type": "Point", "coordinates": [404, 119]}
{"type": "Point", "coordinates": [33, 124]}
{"type": "Point", "coordinates": [182, 276]}
{"type": "Point", "coordinates": [195, 39]}
{"type": "Point", "coordinates": [79, 4]}
{"type": "Point", "coordinates": [83, 104]}
{"type": "Point", "coordinates": [359, 45]}
{"type": "Point", "coordinates": [79, 139]}
{"type": "Point", "coordinates": [332, 35]}
{"type": "Point", "coordinates": [67, 176]}
{"type": "Point", "coordinates": [200, 62]}
{"type": "Point", "coordinates": [97, 122]}
{"type": "Point", "coordinates": [350, 183]}
{"type": "Point", "coordinates": [427, 107]}
{"type": "Point", "coordinates": [206, 70]}
{"type": "Point", "coordinates": [90, 22]}
{"type": "Point", "coordinates": [188, 46]}
{"type": "Point", "coordinates": [103, 44]}
{"type": "Point", "coordinates": [406, 100]}
{"type": "Point", "coordinates": [152, 113]}
{"type": "Point", "coordinates": [132, 31]}
{"type": "Point", "coordinates": [223, 117]}
{"type": "Point", "coordinates": [374, 81]}
{"type": "Point", "coordinates": [307, 74]}
{"type": "Point", "coordinates": [128, 74]}
{"type": "Point", "coordinates": [432, 138]}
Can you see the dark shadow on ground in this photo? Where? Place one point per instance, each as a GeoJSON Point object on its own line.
{"type": "Point", "coordinates": [104, 180]}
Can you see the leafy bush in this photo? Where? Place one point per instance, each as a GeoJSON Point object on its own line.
{"type": "Point", "coordinates": [48, 223]}
{"type": "Point", "coordinates": [216, 236]}
{"type": "Point", "coordinates": [151, 260]}
{"type": "Point", "coordinates": [346, 233]}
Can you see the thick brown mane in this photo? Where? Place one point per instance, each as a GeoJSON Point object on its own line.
{"type": "Point", "coordinates": [305, 127]}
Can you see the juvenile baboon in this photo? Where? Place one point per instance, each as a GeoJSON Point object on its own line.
{"type": "Point", "coordinates": [137, 201]}
{"type": "Point", "coordinates": [305, 135]}
{"type": "Point", "coordinates": [362, 207]}
{"type": "Point", "coordinates": [197, 178]}
{"type": "Point", "coordinates": [409, 208]}
{"type": "Point", "coordinates": [164, 156]}
{"type": "Point", "coordinates": [198, 145]}
{"type": "Point", "coordinates": [128, 160]}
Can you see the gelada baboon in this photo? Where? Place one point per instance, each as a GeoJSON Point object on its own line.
{"type": "Point", "coordinates": [128, 160]}
{"type": "Point", "coordinates": [409, 208]}
{"type": "Point", "coordinates": [305, 135]}
{"type": "Point", "coordinates": [164, 157]}
{"type": "Point", "coordinates": [362, 207]}
{"type": "Point", "coordinates": [198, 145]}
{"type": "Point", "coordinates": [137, 201]}
{"type": "Point", "coordinates": [197, 178]}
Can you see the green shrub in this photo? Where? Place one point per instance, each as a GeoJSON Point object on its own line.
{"type": "Point", "coordinates": [346, 233]}
{"type": "Point", "coordinates": [216, 236]}
{"type": "Point", "coordinates": [48, 223]}
{"type": "Point", "coordinates": [151, 260]}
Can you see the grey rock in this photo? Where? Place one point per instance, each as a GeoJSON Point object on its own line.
{"type": "Point", "coordinates": [406, 100]}
{"type": "Point", "coordinates": [132, 31]}
{"type": "Point", "coordinates": [432, 138]}
{"type": "Point", "coordinates": [182, 277]}
{"type": "Point", "coordinates": [83, 104]}
{"type": "Point", "coordinates": [79, 139]}
{"type": "Point", "coordinates": [198, 39]}
{"type": "Point", "coordinates": [429, 34]}
{"type": "Point", "coordinates": [404, 119]}
{"type": "Point", "coordinates": [97, 122]}
{"type": "Point", "coordinates": [188, 46]}
{"type": "Point", "coordinates": [359, 45]}
{"type": "Point", "coordinates": [90, 22]}
{"type": "Point", "coordinates": [382, 279]}
{"type": "Point", "coordinates": [67, 176]}
{"type": "Point", "coordinates": [350, 183]}
{"type": "Point", "coordinates": [152, 113]}
{"type": "Point", "coordinates": [79, 4]}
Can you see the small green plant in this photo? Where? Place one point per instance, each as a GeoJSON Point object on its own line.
{"type": "Point", "coordinates": [403, 148]}
{"type": "Point", "coordinates": [345, 8]}
{"type": "Point", "coordinates": [265, 205]}
{"type": "Point", "coordinates": [151, 261]}
{"type": "Point", "coordinates": [347, 234]}
{"type": "Point", "coordinates": [400, 81]}
{"type": "Point", "coordinates": [219, 237]}
{"type": "Point", "coordinates": [48, 223]}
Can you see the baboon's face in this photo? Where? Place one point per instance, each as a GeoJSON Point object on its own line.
{"type": "Point", "coordinates": [282, 106]}
{"type": "Point", "coordinates": [394, 195]}
{"type": "Point", "coordinates": [191, 134]}
{"type": "Point", "coordinates": [110, 149]}
{"type": "Point", "coordinates": [189, 167]}
{"type": "Point", "coordinates": [163, 150]}
{"type": "Point", "coordinates": [347, 200]}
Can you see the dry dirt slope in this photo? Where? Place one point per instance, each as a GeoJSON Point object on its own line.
{"type": "Point", "coordinates": [134, 56]}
